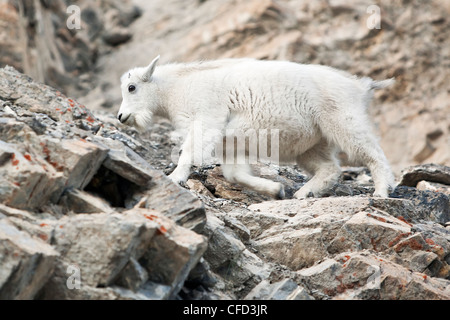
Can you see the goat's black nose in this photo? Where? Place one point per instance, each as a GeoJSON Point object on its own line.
{"type": "Point", "coordinates": [123, 117]}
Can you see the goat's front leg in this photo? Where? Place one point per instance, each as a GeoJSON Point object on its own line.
{"type": "Point", "coordinates": [200, 142]}
{"type": "Point", "coordinates": [183, 169]}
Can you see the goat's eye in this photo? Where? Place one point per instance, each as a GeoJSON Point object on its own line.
{"type": "Point", "coordinates": [131, 88]}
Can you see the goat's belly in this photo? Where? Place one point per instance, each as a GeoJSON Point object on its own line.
{"type": "Point", "coordinates": [293, 144]}
{"type": "Point", "coordinates": [277, 139]}
{"type": "Point", "coordinates": [275, 146]}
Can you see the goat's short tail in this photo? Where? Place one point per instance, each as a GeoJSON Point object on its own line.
{"type": "Point", "coordinates": [372, 85]}
{"type": "Point", "coordinates": [376, 85]}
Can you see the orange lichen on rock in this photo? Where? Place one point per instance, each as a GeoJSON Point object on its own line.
{"type": "Point", "coordinates": [162, 229]}
{"type": "Point", "coordinates": [14, 161]}
{"type": "Point", "coordinates": [43, 237]}
{"type": "Point", "coordinates": [404, 220]}
{"type": "Point", "coordinates": [412, 243]}
{"type": "Point", "coordinates": [381, 219]}
{"type": "Point", "coordinates": [151, 217]}
{"type": "Point", "coordinates": [398, 238]}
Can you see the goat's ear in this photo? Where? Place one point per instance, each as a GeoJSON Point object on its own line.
{"type": "Point", "coordinates": [150, 69]}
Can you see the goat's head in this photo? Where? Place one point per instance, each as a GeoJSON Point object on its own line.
{"type": "Point", "coordinates": [139, 96]}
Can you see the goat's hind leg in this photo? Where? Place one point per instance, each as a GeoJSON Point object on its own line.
{"type": "Point", "coordinates": [319, 161]}
{"type": "Point", "coordinates": [354, 137]}
{"type": "Point", "coordinates": [242, 174]}
{"type": "Point", "coordinates": [236, 168]}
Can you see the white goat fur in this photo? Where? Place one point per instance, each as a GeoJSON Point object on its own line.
{"type": "Point", "coordinates": [317, 109]}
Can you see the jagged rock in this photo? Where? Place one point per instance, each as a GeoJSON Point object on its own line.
{"type": "Point", "coordinates": [102, 244]}
{"type": "Point", "coordinates": [296, 248]}
{"type": "Point", "coordinates": [285, 289]}
{"type": "Point", "coordinates": [126, 163]}
{"type": "Point", "coordinates": [245, 271]}
{"type": "Point", "coordinates": [78, 160]}
{"type": "Point", "coordinates": [380, 231]}
{"type": "Point", "coordinates": [27, 182]}
{"type": "Point", "coordinates": [6, 152]}
{"type": "Point", "coordinates": [159, 196]}
{"type": "Point", "coordinates": [79, 201]}
{"type": "Point", "coordinates": [189, 211]}
{"type": "Point", "coordinates": [199, 188]}
{"type": "Point", "coordinates": [201, 275]}
{"type": "Point", "coordinates": [425, 205]}
{"type": "Point", "coordinates": [172, 253]}
{"type": "Point", "coordinates": [422, 260]}
{"type": "Point", "coordinates": [299, 233]}
{"type": "Point", "coordinates": [367, 276]}
{"type": "Point", "coordinates": [428, 172]}
{"type": "Point", "coordinates": [57, 289]}
{"type": "Point", "coordinates": [25, 221]}
{"type": "Point", "coordinates": [229, 258]}
{"type": "Point", "coordinates": [238, 227]}
{"type": "Point", "coordinates": [124, 249]}
{"type": "Point", "coordinates": [224, 246]}
{"type": "Point", "coordinates": [433, 186]}
{"type": "Point", "coordinates": [27, 262]}
{"type": "Point", "coordinates": [133, 276]}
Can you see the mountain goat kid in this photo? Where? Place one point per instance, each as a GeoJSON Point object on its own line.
{"type": "Point", "coordinates": [316, 110]}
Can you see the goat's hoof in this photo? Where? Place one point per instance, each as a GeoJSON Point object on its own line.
{"type": "Point", "coordinates": [381, 192]}
{"type": "Point", "coordinates": [177, 179]}
{"type": "Point", "coordinates": [281, 194]}
{"type": "Point", "coordinates": [380, 195]}
{"type": "Point", "coordinates": [303, 194]}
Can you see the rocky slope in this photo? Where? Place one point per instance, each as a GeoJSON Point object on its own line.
{"type": "Point", "coordinates": [57, 160]}
{"type": "Point", "coordinates": [87, 213]}
{"type": "Point", "coordinates": [52, 43]}
{"type": "Point", "coordinates": [86, 209]}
